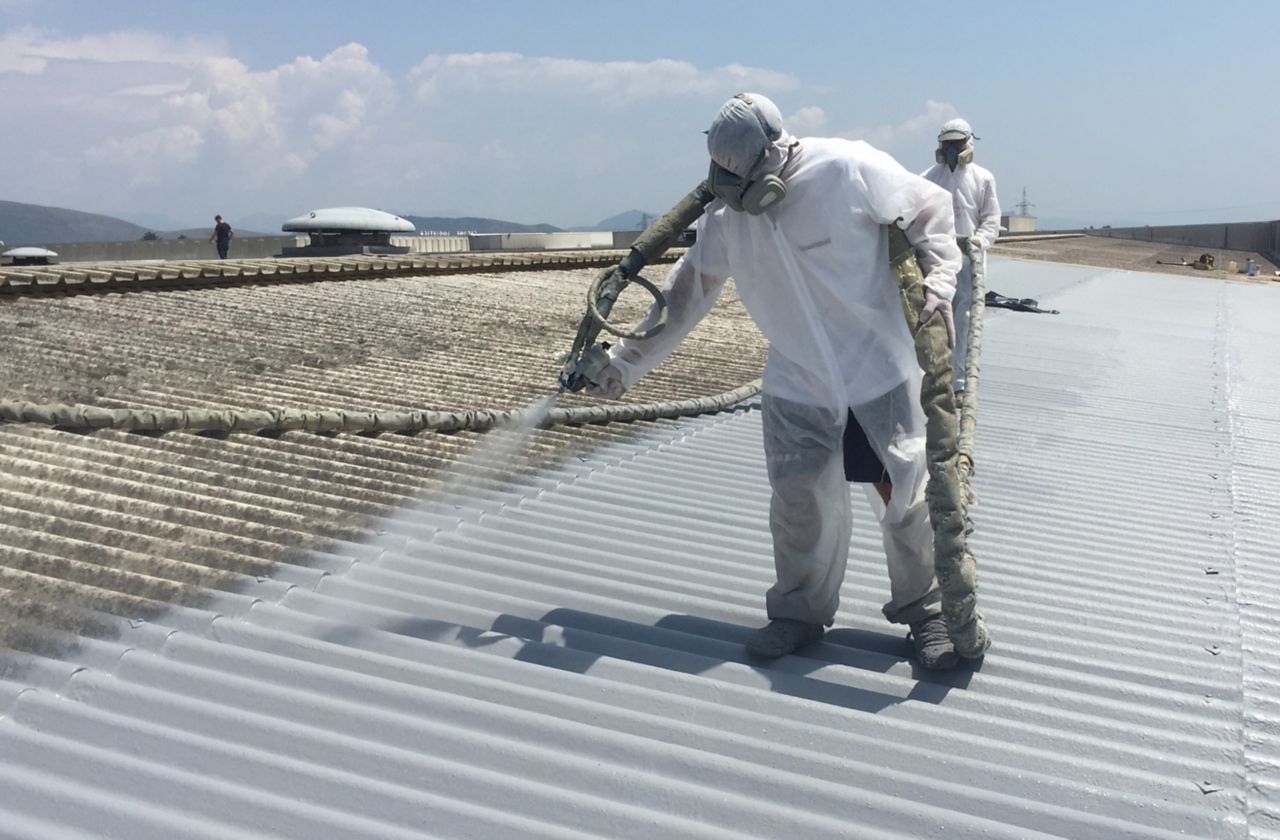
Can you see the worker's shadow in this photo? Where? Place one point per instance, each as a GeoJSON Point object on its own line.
{"type": "Point", "coordinates": [830, 671]}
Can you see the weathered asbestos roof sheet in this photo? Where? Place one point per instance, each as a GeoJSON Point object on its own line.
{"type": "Point", "coordinates": [328, 636]}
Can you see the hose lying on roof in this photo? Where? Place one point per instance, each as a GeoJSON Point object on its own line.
{"type": "Point", "coordinates": [290, 419]}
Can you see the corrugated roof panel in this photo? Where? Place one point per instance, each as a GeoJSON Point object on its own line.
{"type": "Point", "coordinates": [562, 656]}
{"type": "Point", "coordinates": [1251, 384]}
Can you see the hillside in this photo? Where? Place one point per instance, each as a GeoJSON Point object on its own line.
{"type": "Point", "coordinates": [630, 220]}
{"type": "Point", "coordinates": [204, 233]}
{"type": "Point", "coordinates": [35, 224]}
{"type": "Point", "coordinates": [472, 224]}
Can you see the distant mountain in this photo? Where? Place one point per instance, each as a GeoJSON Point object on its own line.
{"type": "Point", "coordinates": [259, 221]}
{"type": "Point", "coordinates": [630, 220]}
{"type": "Point", "coordinates": [205, 232]}
{"type": "Point", "coordinates": [453, 225]}
{"type": "Point", "coordinates": [35, 224]}
{"type": "Point", "coordinates": [150, 220]}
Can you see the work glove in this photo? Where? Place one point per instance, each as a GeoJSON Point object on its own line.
{"type": "Point", "coordinates": [972, 246]}
{"type": "Point", "coordinates": [607, 384]}
{"type": "Point", "coordinates": [935, 303]}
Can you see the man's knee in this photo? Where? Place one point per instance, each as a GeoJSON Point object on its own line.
{"type": "Point", "coordinates": [795, 514]}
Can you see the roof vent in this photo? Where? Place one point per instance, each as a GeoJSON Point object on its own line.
{"type": "Point", "coordinates": [337, 231]}
{"type": "Point", "coordinates": [30, 256]}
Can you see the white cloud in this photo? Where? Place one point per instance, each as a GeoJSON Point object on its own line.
{"type": "Point", "coordinates": [912, 128]}
{"type": "Point", "coordinates": [808, 120]}
{"type": "Point", "coordinates": [509, 73]}
{"type": "Point", "coordinates": [150, 121]}
{"type": "Point", "coordinates": [149, 150]}
{"type": "Point", "coordinates": [277, 121]}
{"type": "Point", "coordinates": [164, 89]}
{"type": "Point", "coordinates": [28, 51]}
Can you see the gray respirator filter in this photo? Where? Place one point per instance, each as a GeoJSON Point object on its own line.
{"type": "Point", "coordinates": [743, 195]}
{"type": "Point", "coordinates": [953, 157]}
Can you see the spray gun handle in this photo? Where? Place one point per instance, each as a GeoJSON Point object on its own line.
{"type": "Point", "coordinates": [584, 368]}
{"type": "Point", "coordinates": [594, 360]}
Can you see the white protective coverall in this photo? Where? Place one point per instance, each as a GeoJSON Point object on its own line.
{"type": "Point", "coordinates": [977, 212]}
{"type": "Point", "coordinates": [813, 272]}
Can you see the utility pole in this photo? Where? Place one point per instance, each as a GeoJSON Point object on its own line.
{"type": "Point", "coordinates": [1024, 204]}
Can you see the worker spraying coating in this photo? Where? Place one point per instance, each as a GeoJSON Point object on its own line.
{"type": "Point", "coordinates": [805, 227]}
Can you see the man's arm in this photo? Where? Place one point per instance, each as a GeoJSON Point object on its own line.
{"type": "Point", "coordinates": [932, 232]}
{"type": "Point", "coordinates": [690, 294]}
{"type": "Point", "coordinates": [988, 230]}
{"type": "Point", "coordinates": [922, 209]}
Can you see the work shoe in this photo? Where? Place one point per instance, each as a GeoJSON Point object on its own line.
{"type": "Point", "coordinates": [932, 645]}
{"type": "Point", "coordinates": [782, 636]}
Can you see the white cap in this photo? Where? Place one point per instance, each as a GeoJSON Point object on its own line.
{"type": "Point", "coordinates": [956, 129]}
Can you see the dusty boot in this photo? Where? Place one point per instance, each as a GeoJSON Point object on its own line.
{"type": "Point", "coordinates": [782, 636]}
{"type": "Point", "coordinates": [932, 645]}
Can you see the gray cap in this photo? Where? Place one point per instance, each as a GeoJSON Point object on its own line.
{"type": "Point", "coordinates": [746, 125]}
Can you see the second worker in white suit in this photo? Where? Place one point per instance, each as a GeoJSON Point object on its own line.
{"type": "Point", "coordinates": [977, 212]}
{"type": "Point", "coordinates": [800, 225]}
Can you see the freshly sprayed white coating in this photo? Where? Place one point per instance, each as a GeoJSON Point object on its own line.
{"type": "Point", "coordinates": [561, 655]}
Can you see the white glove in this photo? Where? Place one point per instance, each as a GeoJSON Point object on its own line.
{"type": "Point", "coordinates": [608, 384]}
{"type": "Point", "coordinates": [933, 302]}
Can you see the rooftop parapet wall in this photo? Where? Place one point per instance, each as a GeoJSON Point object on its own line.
{"type": "Point", "coordinates": [242, 248]}
{"type": "Point", "coordinates": [432, 244]}
{"type": "Point", "coordinates": [246, 247]}
{"type": "Point", "coordinates": [260, 247]}
{"type": "Point", "coordinates": [539, 241]}
{"type": "Point", "coordinates": [1263, 237]}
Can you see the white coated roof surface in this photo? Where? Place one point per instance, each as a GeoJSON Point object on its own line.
{"type": "Point", "coordinates": [563, 658]}
{"type": "Point", "coordinates": [348, 218]}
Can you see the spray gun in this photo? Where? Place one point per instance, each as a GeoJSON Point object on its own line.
{"type": "Point", "coordinates": [587, 358]}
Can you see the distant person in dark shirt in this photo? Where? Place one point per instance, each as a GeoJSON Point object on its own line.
{"type": "Point", "coordinates": [223, 233]}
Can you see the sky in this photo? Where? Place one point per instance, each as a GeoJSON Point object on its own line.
{"type": "Point", "coordinates": [568, 112]}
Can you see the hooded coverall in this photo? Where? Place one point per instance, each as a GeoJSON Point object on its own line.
{"type": "Point", "coordinates": [814, 274]}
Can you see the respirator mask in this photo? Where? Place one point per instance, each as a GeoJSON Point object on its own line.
{"type": "Point", "coordinates": [953, 156]}
{"type": "Point", "coordinates": [748, 195]}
